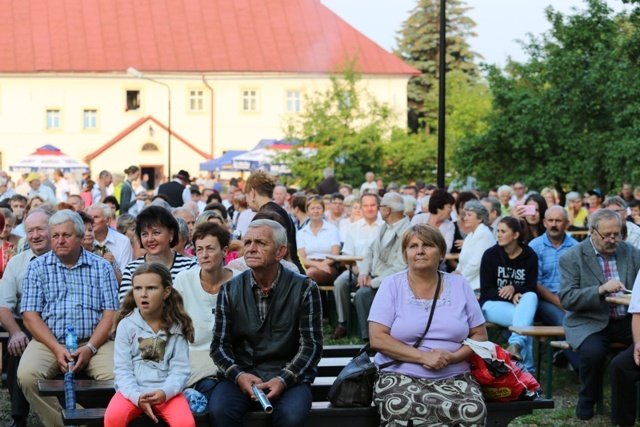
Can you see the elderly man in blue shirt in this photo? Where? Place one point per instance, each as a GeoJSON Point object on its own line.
{"type": "Point", "coordinates": [67, 286]}
{"type": "Point", "coordinates": [553, 243]}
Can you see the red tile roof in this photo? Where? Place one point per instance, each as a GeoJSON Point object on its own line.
{"type": "Point", "coordinates": [183, 36]}
{"type": "Point", "coordinates": [135, 125]}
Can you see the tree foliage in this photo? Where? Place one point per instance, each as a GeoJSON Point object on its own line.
{"type": "Point", "coordinates": [351, 131]}
{"type": "Point", "coordinates": [568, 116]}
{"type": "Point", "coordinates": [419, 45]}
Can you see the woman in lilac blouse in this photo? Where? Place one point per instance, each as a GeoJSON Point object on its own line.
{"type": "Point", "coordinates": [431, 383]}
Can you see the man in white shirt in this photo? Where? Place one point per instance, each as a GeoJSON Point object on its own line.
{"type": "Point", "coordinates": [359, 237]}
{"type": "Point", "coordinates": [369, 186]}
{"type": "Point", "coordinates": [100, 190]}
{"type": "Point", "coordinates": [118, 244]}
{"type": "Point", "coordinates": [62, 186]}
{"type": "Point", "coordinates": [37, 189]}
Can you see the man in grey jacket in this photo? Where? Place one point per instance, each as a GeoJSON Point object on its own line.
{"type": "Point", "coordinates": [384, 257]}
{"type": "Point", "coordinates": [600, 266]}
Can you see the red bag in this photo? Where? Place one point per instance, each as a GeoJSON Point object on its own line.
{"type": "Point", "coordinates": [501, 379]}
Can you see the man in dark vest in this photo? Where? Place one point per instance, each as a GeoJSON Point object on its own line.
{"type": "Point", "coordinates": [268, 332]}
{"type": "Point", "coordinates": [177, 191]}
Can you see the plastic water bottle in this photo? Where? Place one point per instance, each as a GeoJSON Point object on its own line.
{"type": "Point", "coordinates": [72, 340]}
{"type": "Point", "coordinates": [69, 376]}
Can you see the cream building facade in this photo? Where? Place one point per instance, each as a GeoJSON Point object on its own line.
{"type": "Point", "coordinates": [111, 119]}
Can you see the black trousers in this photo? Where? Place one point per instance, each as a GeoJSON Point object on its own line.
{"type": "Point", "coordinates": [19, 404]}
{"type": "Point", "coordinates": [593, 357]}
{"type": "Point", "coordinates": [624, 375]}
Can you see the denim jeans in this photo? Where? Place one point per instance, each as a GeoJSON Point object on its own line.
{"type": "Point", "coordinates": [228, 405]}
{"type": "Point", "coordinates": [505, 313]}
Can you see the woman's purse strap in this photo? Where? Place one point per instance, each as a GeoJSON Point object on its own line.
{"type": "Point", "coordinates": [417, 343]}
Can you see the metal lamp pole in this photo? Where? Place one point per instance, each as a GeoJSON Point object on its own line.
{"type": "Point", "coordinates": [138, 74]}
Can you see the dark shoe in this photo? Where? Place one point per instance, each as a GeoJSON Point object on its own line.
{"type": "Point", "coordinates": [514, 349]}
{"type": "Point", "coordinates": [584, 412]}
{"type": "Point", "coordinates": [18, 422]}
{"type": "Point", "coordinates": [339, 332]}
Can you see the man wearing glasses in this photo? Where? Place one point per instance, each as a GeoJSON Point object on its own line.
{"type": "Point", "coordinates": [617, 204]}
{"type": "Point", "coordinates": [601, 266]}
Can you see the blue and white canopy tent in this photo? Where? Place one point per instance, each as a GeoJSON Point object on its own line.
{"type": "Point", "coordinates": [223, 163]}
{"type": "Point", "coordinates": [46, 159]}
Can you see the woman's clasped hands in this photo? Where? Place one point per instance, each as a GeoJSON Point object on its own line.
{"type": "Point", "coordinates": [436, 359]}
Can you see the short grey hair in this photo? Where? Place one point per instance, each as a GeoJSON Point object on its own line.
{"type": "Point", "coordinates": [351, 199]}
{"type": "Point", "coordinates": [67, 215]}
{"type": "Point", "coordinates": [327, 172]}
{"type": "Point", "coordinates": [615, 200]}
{"type": "Point", "coordinates": [479, 209]}
{"type": "Point", "coordinates": [175, 211]}
{"type": "Point", "coordinates": [161, 203]}
{"type": "Point", "coordinates": [502, 189]}
{"type": "Point", "coordinates": [573, 196]}
{"type": "Point", "coordinates": [394, 201]}
{"type": "Point", "coordinates": [410, 203]}
{"type": "Point", "coordinates": [106, 210]}
{"type": "Point", "coordinates": [279, 232]}
{"type": "Point", "coordinates": [602, 215]}
{"type": "Point", "coordinates": [495, 204]}
{"type": "Point", "coordinates": [183, 228]}
{"type": "Point", "coordinates": [47, 212]}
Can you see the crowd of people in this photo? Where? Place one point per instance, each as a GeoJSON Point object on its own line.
{"type": "Point", "coordinates": [214, 286]}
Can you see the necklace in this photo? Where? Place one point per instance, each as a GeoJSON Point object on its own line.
{"type": "Point", "coordinates": [428, 295]}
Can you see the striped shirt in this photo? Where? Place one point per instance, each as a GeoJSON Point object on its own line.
{"type": "Point", "coordinates": [180, 263]}
{"type": "Point", "coordinates": [65, 296]}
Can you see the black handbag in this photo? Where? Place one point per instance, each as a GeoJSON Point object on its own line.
{"type": "Point", "coordinates": [353, 387]}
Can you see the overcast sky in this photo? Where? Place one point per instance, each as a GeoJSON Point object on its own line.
{"type": "Point", "coordinates": [499, 22]}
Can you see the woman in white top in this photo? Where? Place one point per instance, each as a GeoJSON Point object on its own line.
{"type": "Point", "coordinates": [354, 213]}
{"type": "Point", "coordinates": [315, 241]}
{"type": "Point", "coordinates": [479, 240]}
{"type": "Point", "coordinates": [199, 289]}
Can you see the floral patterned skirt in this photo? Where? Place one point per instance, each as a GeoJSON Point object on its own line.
{"type": "Point", "coordinates": [406, 401]}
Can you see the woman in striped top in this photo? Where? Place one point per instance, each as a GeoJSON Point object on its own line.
{"type": "Point", "coordinates": [157, 231]}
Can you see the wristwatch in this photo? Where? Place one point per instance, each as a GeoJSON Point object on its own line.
{"type": "Point", "coordinates": [91, 347]}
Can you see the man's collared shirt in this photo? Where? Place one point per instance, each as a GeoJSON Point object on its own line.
{"type": "Point", "coordinates": [11, 283]}
{"type": "Point", "coordinates": [360, 236]}
{"type": "Point", "coordinates": [549, 260]}
{"type": "Point", "coordinates": [263, 299]}
{"type": "Point", "coordinates": [120, 247]}
{"type": "Point", "coordinates": [609, 267]}
{"type": "Point", "coordinates": [70, 296]}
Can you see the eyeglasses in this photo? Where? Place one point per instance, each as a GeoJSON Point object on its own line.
{"type": "Point", "coordinates": [382, 206]}
{"type": "Point", "coordinates": [610, 236]}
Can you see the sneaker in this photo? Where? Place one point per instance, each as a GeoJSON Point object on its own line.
{"type": "Point", "coordinates": [339, 332]}
{"type": "Point", "coordinates": [514, 349]}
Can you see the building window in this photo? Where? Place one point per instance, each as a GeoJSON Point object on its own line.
{"type": "Point", "coordinates": [150, 146]}
{"type": "Point", "coordinates": [90, 119]}
{"type": "Point", "coordinates": [294, 100]}
{"type": "Point", "coordinates": [196, 100]}
{"type": "Point", "coordinates": [53, 119]}
{"type": "Point", "coordinates": [133, 100]}
{"type": "Point", "coordinates": [250, 100]}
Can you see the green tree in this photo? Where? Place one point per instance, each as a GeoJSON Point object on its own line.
{"type": "Point", "coordinates": [567, 117]}
{"type": "Point", "coordinates": [345, 126]}
{"type": "Point", "coordinates": [419, 45]}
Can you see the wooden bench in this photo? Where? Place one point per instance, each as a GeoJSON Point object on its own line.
{"type": "Point", "coordinates": [95, 396]}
